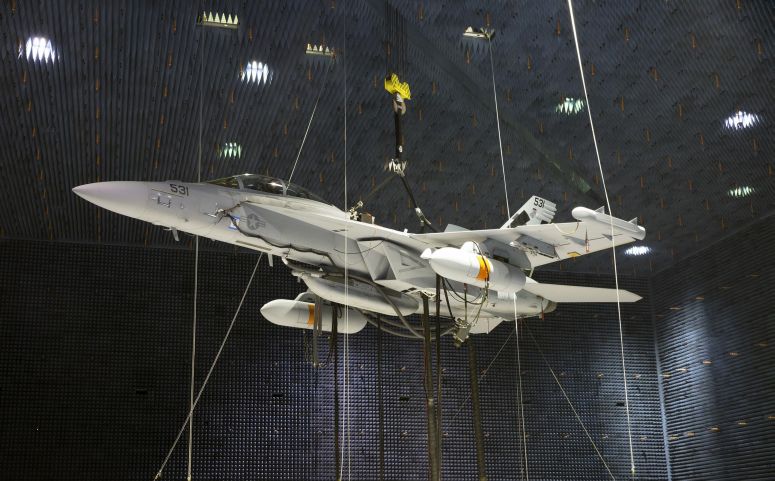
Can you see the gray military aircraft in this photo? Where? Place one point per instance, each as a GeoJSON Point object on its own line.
{"type": "Point", "coordinates": [484, 274]}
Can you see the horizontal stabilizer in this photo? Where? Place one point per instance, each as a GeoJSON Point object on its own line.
{"type": "Point", "coordinates": [561, 293]}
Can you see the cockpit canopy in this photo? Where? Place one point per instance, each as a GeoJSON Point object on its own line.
{"type": "Point", "coordinates": [266, 185]}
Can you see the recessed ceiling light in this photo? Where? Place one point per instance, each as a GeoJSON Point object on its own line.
{"type": "Point", "coordinates": [485, 33]}
{"type": "Point", "coordinates": [741, 120]}
{"type": "Point", "coordinates": [319, 50]}
{"type": "Point", "coordinates": [231, 150]}
{"type": "Point", "coordinates": [256, 72]}
{"type": "Point", "coordinates": [221, 20]}
{"type": "Point", "coordinates": [638, 250]}
{"type": "Point", "coordinates": [570, 106]}
{"type": "Point", "coordinates": [38, 49]}
{"type": "Point", "coordinates": [742, 191]}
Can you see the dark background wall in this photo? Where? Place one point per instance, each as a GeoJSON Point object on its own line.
{"type": "Point", "coordinates": [94, 370]}
{"type": "Point", "coordinates": [716, 329]}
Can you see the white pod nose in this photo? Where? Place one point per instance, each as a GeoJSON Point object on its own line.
{"type": "Point", "coordinates": [475, 269]}
{"type": "Point", "coordinates": [289, 313]}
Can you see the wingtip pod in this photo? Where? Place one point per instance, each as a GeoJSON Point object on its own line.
{"type": "Point", "coordinates": [599, 216]}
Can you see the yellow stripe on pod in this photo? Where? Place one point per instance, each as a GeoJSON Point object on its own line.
{"type": "Point", "coordinates": [485, 267]}
{"type": "Point", "coordinates": [311, 318]}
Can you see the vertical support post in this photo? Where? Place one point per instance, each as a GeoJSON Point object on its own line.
{"type": "Point", "coordinates": [430, 405]}
{"type": "Point", "coordinates": [334, 343]}
{"type": "Point", "coordinates": [473, 370]}
{"type": "Point", "coordinates": [317, 327]}
{"type": "Point", "coordinates": [438, 369]}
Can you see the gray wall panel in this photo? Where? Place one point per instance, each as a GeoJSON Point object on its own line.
{"type": "Point", "coordinates": [715, 327]}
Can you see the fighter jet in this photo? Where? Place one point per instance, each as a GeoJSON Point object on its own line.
{"type": "Point", "coordinates": [480, 277]}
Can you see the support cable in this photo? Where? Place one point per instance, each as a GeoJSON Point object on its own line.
{"type": "Point", "coordinates": [498, 123]}
{"type": "Point", "coordinates": [508, 212]}
{"type": "Point", "coordinates": [210, 371]}
{"type": "Point", "coordinates": [346, 357]}
{"type": "Point", "coordinates": [196, 268]}
{"type": "Point", "coordinates": [484, 373]}
{"type": "Point", "coordinates": [522, 429]}
{"type": "Point", "coordinates": [388, 325]}
{"type": "Point", "coordinates": [613, 243]}
{"type": "Point", "coordinates": [314, 109]}
{"type": "Point", "coordinates": [388, 330]}
{"type": "Point", "coordinates": [565, 395]}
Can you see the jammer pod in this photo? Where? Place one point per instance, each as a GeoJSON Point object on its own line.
{"type": "Point", "coordinates": [300, 314]}
{"type": "Point", "coordinates": [475, 269]}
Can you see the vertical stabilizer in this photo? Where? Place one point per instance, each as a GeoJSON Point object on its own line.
{"type": "Point", "coordinates": [535, 211]}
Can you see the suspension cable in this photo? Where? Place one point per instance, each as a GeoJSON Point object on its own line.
{"type": "Point", "coordinates": [521, 413]}
{"type": "Point", "coordinates": [498, 123]}
{"type": "Point", "coordinates": [346, 357]}
{"type": "Point", "coordinates": [314, 109]}
{"type": "Point", "coordinates": [613, 242]}
{"type": "Point", "coordinates": [484, 373]}
{"type": "Point", "coordinates": [210, 371]}
{"type": "Point", "coordinates": [196, 265]}
{"type": "Point", "coordinates": [565, 395]}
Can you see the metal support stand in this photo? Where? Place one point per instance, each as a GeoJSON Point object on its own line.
{"type": "Point", "coordinates": [438, 366]}
{"type": "Point", "coordinates": [477, 413]}
{"type": "Point", "coordinates": [317, 329]}
{"type": "Point", "coordinates": [433, 441]}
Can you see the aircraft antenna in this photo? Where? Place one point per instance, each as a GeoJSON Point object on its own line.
{"type": "Point", "coordinates": [613, 243]}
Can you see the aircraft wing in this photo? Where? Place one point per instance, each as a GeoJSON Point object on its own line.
{"type": "Point", "coordinates": [547, 243]}
{"type": "Point", "coordinates": [564, 293]}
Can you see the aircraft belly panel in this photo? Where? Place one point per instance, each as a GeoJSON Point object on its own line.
{"type": "Point", "coordinates": [485, 325]}
{"type": "Point", "coordinates": [396, 267]}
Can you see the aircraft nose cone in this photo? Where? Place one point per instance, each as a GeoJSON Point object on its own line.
{"type": "Point", "coordinates": [127, 198]}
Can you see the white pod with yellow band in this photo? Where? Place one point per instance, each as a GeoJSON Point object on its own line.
{"type": "Point", "coordinates": [289, 313]}
{"type": "Point", "coordinates": [475, 269]}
